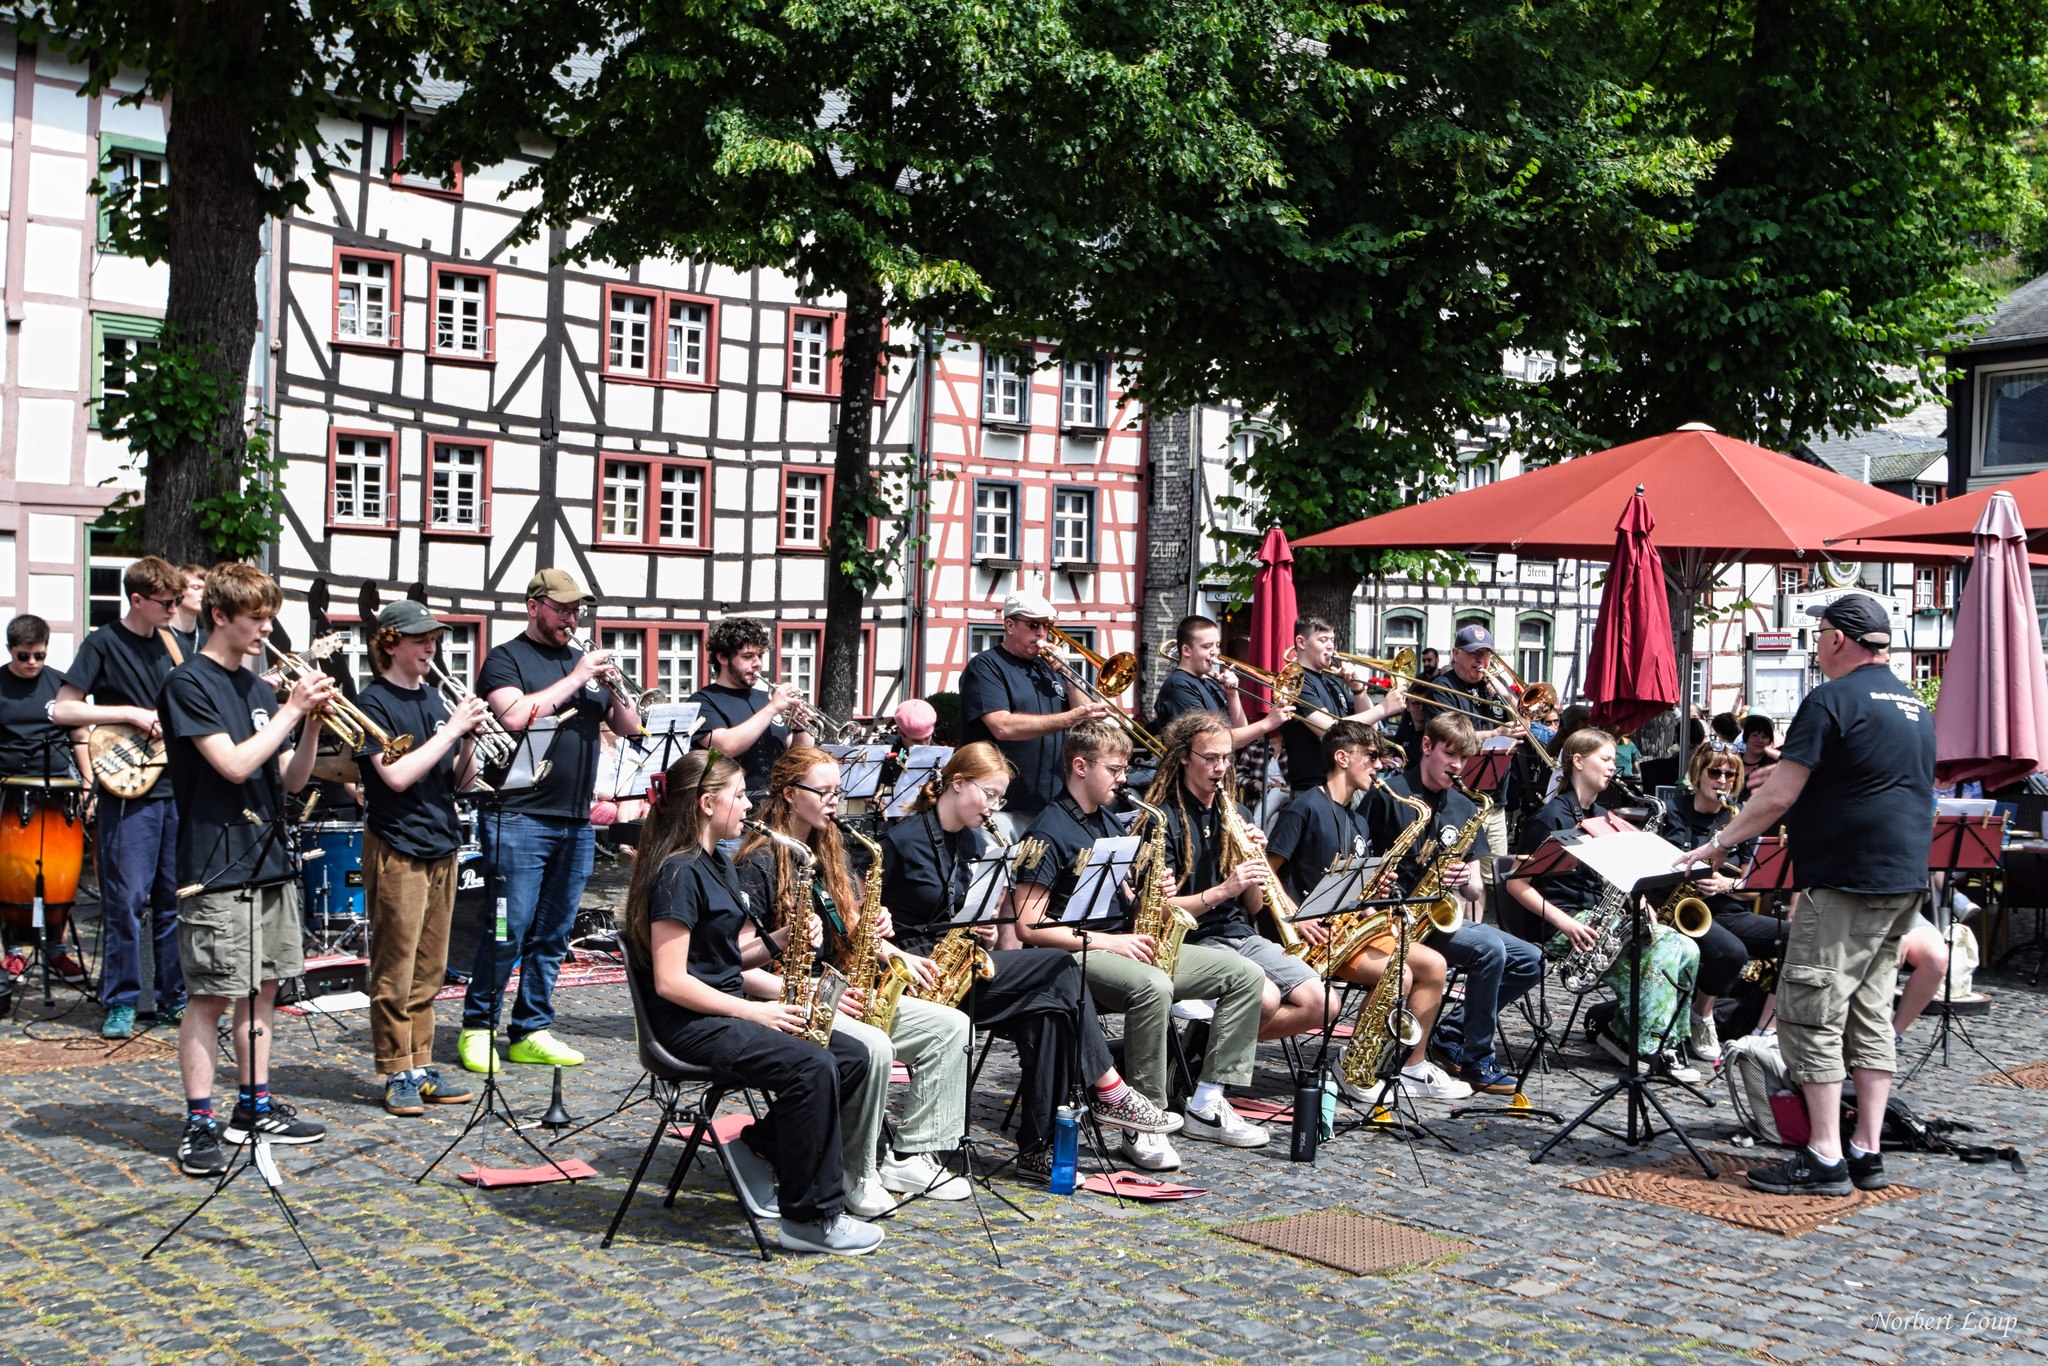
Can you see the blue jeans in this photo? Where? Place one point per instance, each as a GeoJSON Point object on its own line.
{"type": "Point", "coordinates": [538, 865]}
{"type": "Point", "coordinates": [138, 867]}
{"type": "Point", "coordinates": [1499, 970]}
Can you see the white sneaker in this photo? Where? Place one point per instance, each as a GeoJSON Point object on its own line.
{"type": "Point", "coordinates": [1225, 1126]}
{"type": "Point", "coordinates": [1427, 1081]}
{"type": "Point", "coordinates": [1152, 1152]}
{"type": "Point", "coordinates": [1364, 1096]}
{"type": "Point", "coordinates": [869, 1198]}
{"type": "Point", "coordinates": [841, 1236]}
{"type": "Point", "coordinates": [920, 1174]}
{"type": "Point", "coordinates": [1706, 1039]}
{"type": "Point", "coordinates": [1671, 1063]}
{"type": "Point", "coordinates": [1198, 1009]}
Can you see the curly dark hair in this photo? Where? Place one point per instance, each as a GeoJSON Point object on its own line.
{"type": "Point", "coordinates": [733, 634]}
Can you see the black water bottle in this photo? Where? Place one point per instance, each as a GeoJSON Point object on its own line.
{"type": "Point", "coordinates": [1308, 1117]}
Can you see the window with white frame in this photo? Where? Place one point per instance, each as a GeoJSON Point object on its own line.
{"type": "Point", "coordinates": [2015, 423]}
{"type": "Point", "coordinates": [678, 662]}
{"type": "Point", "coordinates": [799, 662]}
{"type": "Point", "coordinates": [1074, 659]}
{"type": "Point", "coordinates": [361, 479]}
{"type": "Point", "coordinates": [1475, 474]}
{"type": "Point", "coordinates": [355, 655]}
{"type": "Point", "coordinates": [1401, 631]}
{"type": "Point", "coordinates": [119, 342]}
{"type": "Point", "coordinates": [363, 300]}
{"type": "Point", "coordinates": [682, 504]}
{"type": "Point", "coordinates": [623, 516]}
{"type": "Point", "coordinates": [458, 487]}
{"type": "Point", "coordinates": [1926, 590]}
{"type": "Point", "coordinates": [1927, 665]}
{"type": "Point", "coordinates": [995, 521]}
{"type": "Point", "coordinates": [462, 311]}
{"type": "Point", "coordinates": [458, 652]}
{"type": "Point", "coordinates": [1005, 388]}
{"type": "Point", "coordinates": [1791, 579]}
{"type": "Point", "coordinates": [1532, 650]}
{"type": "Point", "coordinates": [627, 645]}
{"type": "Point", "coordinates": [1926, 495]}
{"type": "Point", "coordinates": [983, 638]}
{"type": "Point", "coordinates": [629, 332]}
{"type": "Point", "coordinates": [1073, 526]}
{"type": "Point", "coordinates": [1698, 687]}
{"type": "Point", "coordinates": [803, 509]}
{"type": "Point", "coordinates": [810, 343]}
{"type": "Point", "coordinates": [687, 350]}
{"type": "Point", "coordinates": [1081, 393]}
{"type": "Point", "coordinates": [128, 170]}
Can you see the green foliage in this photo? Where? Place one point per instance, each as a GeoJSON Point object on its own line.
{"type": "Point", "coordinates": [1928, 690]}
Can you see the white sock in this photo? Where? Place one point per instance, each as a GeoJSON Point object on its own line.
{"type": "Point", "coordinates": [1203, 1101]}
{"type": "Point", "coordinates": [1855, 1151]}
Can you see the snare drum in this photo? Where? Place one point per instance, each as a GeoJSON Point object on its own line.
{"type": "Point", "coordinates": [334, 879]}
{"type": "Point", "coordinates": [41, 825]}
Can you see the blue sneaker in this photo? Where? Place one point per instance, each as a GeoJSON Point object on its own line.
{"type": "Point", "coordinates": [1487, 1075]}
{"type": "Point", "coordinates": [119, 1024]}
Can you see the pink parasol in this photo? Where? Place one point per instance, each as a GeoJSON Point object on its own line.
{"type": "Point", "coordinates": [1991, 722]}
{"type": "Point", "coordinates": [1633, 675]}
{"type": "Point", "coordinates": [1273, 610]}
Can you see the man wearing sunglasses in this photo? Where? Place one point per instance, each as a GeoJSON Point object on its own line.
{"type": "Point", "coordinates": [122, 668]}
{"type": "Point", "coordinates": [537, 840]}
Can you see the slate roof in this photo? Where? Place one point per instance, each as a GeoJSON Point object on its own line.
{"type": "Point", "coordinates": [1876, 457]}
{"type": "Point", "coordinates": [2022, 316]}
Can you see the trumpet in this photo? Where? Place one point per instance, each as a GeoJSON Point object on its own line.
{"type": "Point", "coordinates": [495, 745]}
{"type": "Point", "coordinates": [1124, 720]}
{"type": "Point", "coordinates": [1112, 675]}
{"type": "Point", "coordinates": [805, 717]}
{"type": "Point", "coordinates": [343, 718]}
{"type": "Point", "coordinates": [614, 679]}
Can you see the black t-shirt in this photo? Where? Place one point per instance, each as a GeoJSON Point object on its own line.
{"type": "Point", "coordinates": [926, 871]}
{"type": "Point", "coordinates": [700, 892]}
{"type": "Point", "coordinates": [1477, 700]}
{"type": "Point", "coordinates": [217, 845]}
{"type": "Point", "coordinates": [726, 707]}
{"type": "Point", "coordinates": [117, 668]}
{"type": "Point", "coordinates": [190, 642]}
{"type": "Point", "coordinates": [1863, 821]}
{"type": "Point", "coordinates": [31, 744]}
{"type": "Point", "coordinates": [1688, 827]}
{"type": "Point", "coordinates": [1197, 867]}
{"type": "Point", "coordinates": [1310, 833]}
{"type": "Point", "coordinates": [1304, 747]}
{"type": "Point", "coordinates": [1450, 809]}
{"type": "Point", "coordinates": [764, 895]}
{"type": "Point", "coordinates": [1056, 840]}
{"type": "Point", "coordinates": [996, 680]}
{"type": "Point", "coordinates": [527, 666]}
{"type": "Point", "coordinates": [1579, 889]}
{"type": "Point", "coordinates": [419, 821]}
{"type": "Point", "coordinates": [1182, 693]}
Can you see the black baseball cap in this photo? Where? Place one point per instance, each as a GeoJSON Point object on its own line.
{"type": "Point", "coordinates": [1858, 616]}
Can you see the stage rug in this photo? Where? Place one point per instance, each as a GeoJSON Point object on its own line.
{"type": "Point", "coordinates": [1348, 1242]}
{"type": "Point", "coordinates": [1679, 1184]}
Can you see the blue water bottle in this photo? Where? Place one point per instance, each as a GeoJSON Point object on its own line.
{"type": "Point", "coordinates": [1066, 1149]}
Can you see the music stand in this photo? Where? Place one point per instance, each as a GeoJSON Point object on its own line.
{"type": "Point", "coordinates": [919, 766]}
{"type": "Point", "coordinates": [1341, 888]}
{"type": "Point", "coordinates": [1488, 769]}
{"type": "Point", "coordinates": [1961, 844]}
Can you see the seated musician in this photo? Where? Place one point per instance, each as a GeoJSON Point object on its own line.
{"type": "Point", "coordinates": [684, 916]}
{"type": "Point", "coordinates": [1498, 969]}
{"type": "Point", "coordinates": [929, 1039]}
{"type": "Point", "coordinates": [1224, 887]}
{"type": "Point", "coordinates": [1119, 965]}
{"type": "Point", "coordinates": [1738, 933]}
{"type": "Point", "coordinates": [1201, 682]}
{"type": "Point", "coordinates": [1331, 821]}
{"type": "Point", "coordinates": [1037, 998]}
{"type": "Point", "coordinates": [1565, 900]}
{"type": "Point", "coordinates": [33, 747]}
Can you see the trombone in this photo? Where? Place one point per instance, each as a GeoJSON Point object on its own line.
{"type": "Point", "coordinates": [348, 723]}
{"type": "Point", "coordinates": [1117, 670]}
{"type": "Point", "coordinates": [1283, 690]}
{"type": "Point", "coordinates": [1113, 676]}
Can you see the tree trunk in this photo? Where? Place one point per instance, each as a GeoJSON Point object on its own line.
{"type": "Point", "coordinates": [845, 589]}
{"type": "Point", "coordinates": [215, 244]}
{"type": "Point", "coordinates": [1323, 590]}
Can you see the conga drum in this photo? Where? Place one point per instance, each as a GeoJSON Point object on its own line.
{"type": "Point", "coordinates": [42, 830]}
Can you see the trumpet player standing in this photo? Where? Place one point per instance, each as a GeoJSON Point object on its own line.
{"type": "Point", "coordinates": [1329, 694]}
{"type": "Point", "coordinates": [409, 851]}
{"type": "Point", "coordinates": [741, 719]}
{"type": "Point", "coordinates": [538, 841]}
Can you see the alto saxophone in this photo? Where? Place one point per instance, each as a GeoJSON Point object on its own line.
{"type": "Point", "coordinates": [1443, 913]}
{"type": "Point", "coordinates": [1384, 1022]}
{"type": "Point", "coordinates": [799, 988]}
{"type": "Point", "coordinates": [1612, 920]}
{"type": "Point", "coordinates": [1686, 909]}
{"type": "Point", "coordinates": [879, 977]}
{"type": "Point", "coordinates": [1156, 915]}
{"type": "Point", "coordinates": [959, 956]}
{"type": "Point", "coordinates": [1238, 848]}
{"type": "Point", "coordinates": [1351, 930]}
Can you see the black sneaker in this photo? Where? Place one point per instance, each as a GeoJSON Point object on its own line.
{"type": "Point", "coordinates": [199, 1151]}
{"type": "Point", "coordinates": [1034, 1167]}
{"type": "Point", "coordinates": [279, 1124]}
{"type": "Point", "coordinates": [1867, 1171]}
{"type": "Point", "coordinates": [1801, 1174]}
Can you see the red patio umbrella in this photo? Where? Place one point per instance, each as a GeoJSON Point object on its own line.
{"type": "Point", "coordinates": [1273, 610]}
{"type": "Point", "coordinates": [1633, 675]}
{"type": "Point", "coordinates": [1954, 521]}
{"type": "Point", "coordinates": [1991, 722]}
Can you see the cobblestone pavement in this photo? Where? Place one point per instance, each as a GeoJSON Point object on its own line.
{"type": "Point", "coordinates": [435, 1272]}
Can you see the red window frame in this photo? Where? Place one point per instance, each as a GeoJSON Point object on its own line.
{"type": "Point", "coordinates": [481, 625]}
{"type": "Point", "coordinates": [657, 323]}
{"type": "Point", "coordinates": [835, 356]}
{"type": "Point", "coordinates": [782, 541]}
{"type": "Point", "coordinates": [390, 440]}
{"type": "Point", "coordinates": [650, 538]}
{"type": "Point", "coordinates": [711, 324]}
{"type": "Point", "coordinates": [489, 275]}
{"type": "Point", "coordinates": [774, 662]}
{"type": "Point", "coordinates": [394, 153]}
{"type": "Point", "coordinates": [394, 308]}
{"type": "Point", "coordinates": [482, 530]}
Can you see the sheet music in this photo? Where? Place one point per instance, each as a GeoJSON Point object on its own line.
{"type": "Point", "coordinates": [1499, 742]}
{"type": "Point", "coordinates": [633, 760]}
{"type": "Point", "coordinates": [918, 767]}
{"type": "Point", "coordinates": [1630, 858]}
{"type": "Point", "coordinates": [860, 768]}
{"type": "Point", "coordinates": [1109, 862]}
{"type": "Point", "coordinates": [1341, 884]}
{"type": "Point", "coordinates": [528, 755]}
{"type": "Point", "coordinates": [987, 888]}
{"type": "Point", "coordinates": [1965, 806]}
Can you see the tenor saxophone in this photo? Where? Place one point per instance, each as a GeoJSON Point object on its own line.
{"type": "Point", "coordinates": [1238, 848]}
{"type": "Point", "coordinates": [880, 977]}
{"type": "Point", "coordinates": [1384, 1022]}
{"type": "Point", "coordinates": [1350, 931]}
{"type": "Point", "coordinates": [1156, 915]}
{"type": "Point", "coordinates": [799, 988]}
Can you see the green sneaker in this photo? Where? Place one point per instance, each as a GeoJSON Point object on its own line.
{"type": "Point", "coordinates": [120, 1024]}
{"type": "Point", "coordinates": [544, 1049]}
{"type": "Point", "coordinates": [473, 1047]}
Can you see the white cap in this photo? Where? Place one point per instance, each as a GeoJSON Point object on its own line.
{"type": "Point", "coordinates": [1028, 604]}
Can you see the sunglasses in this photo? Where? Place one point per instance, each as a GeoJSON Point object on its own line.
{"type": "Point", "coordinates": [25, 656]}
{"type": "Point", "coordinates": [1724, 773]}
{"type": "Point", "coordinates": [168, 604]}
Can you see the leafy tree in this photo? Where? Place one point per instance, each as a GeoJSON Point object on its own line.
{"type": "Point", "coordinates": [922, 158]}
{"type": "Point", "coordinates": [247, 82]}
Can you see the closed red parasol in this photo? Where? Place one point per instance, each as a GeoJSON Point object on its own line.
{"type": "Point", "coordinates": [1273, 610]}
{"type": "Point", "coordinates": [1991, 722]}
{"type": "Point", "coordinates": [1633, 674]}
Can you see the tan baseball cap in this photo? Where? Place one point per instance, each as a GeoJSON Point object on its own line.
{"type": "Point", "coordinates": [1029, 605]}
{"type": "Point", "coordinates": [557, 585]}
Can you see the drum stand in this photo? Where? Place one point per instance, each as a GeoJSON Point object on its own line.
{"type": "Point", "coordinates": [39, 913]}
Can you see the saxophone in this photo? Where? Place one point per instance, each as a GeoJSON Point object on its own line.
{"type": "Point", "coordinates": [799, 988]}
{"type": "Point", "coordinates": [1686, 909]}
{"type": "Point", "coordinates": [1156, 915]}
{"type": "Point", "coordinates": [1611, 919]}
{"type": "Point", "coordinates": [1443, 913]}
{"type": "Point", "coordinates": [878, 976]}
{"type": "Point", "coordinates": [959, 956]}
{"type": "Point", "coordinates": [1384, 1022]}
{"type": "Point", "coordinates": [1350, 931]}
{"type": "Point", "coordinates": [1237, 848]}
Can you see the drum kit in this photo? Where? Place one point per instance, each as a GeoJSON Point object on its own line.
{"type": "Point", "coordinates": [42, 848]}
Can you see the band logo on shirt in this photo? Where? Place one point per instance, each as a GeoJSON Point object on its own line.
{"type": "Point", "coordinates": [259, 717]}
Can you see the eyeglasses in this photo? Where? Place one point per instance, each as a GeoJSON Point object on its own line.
{"type": "Point", "coordinates": [567, 609]}
{"type": "Point", "coordinates": [1114, 770]}
{"type": "Point", "coordinates": [823, 794]}
{"type": "Point", "coordinates": [994, 798]}
{"type": "Point", "coordinates": [1212, 760]}
{"type": "Point", "coordinates": [1825, 632]}
{"type": "Point", "coordinates": [26, 655]}
{"type": "Point", "coordinates": [1719, 746]}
